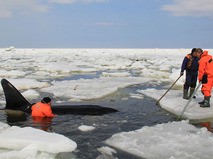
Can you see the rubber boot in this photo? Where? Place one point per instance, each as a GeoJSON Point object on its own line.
{"type": "Point", "coordinates": [202, 102]}
{"type": "Point", "coordinates": [191, 92]}
{"type": "Point", "coordinates": [206, 102]}
{"type": "Point", "coordinates": [185, 94]}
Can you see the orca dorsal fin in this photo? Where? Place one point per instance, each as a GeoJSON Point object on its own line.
{"type": "Point", "coordinates": [14, 99]}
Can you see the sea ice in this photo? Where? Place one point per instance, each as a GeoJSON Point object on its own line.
{"type": "Point", "coordinates": [179, 140]}
{"type": "Point", "coordinates": [174, 103]}
{"type": "Point", "coordinates": [86, 128]}
{"type": "Point", "coordinates": [19, 141]}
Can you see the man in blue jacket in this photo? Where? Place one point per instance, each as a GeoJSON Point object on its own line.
{"type": "Point", "coordinates": [190, 64]}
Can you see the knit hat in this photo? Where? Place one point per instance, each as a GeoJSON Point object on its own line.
{"type": "Point", "coordinates": [46, 100]}
{"type": "Point", "coordinates": [194, 50]}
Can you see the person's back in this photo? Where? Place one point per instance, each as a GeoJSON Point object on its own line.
{"type": "Point", "coordinates": [206, 65]}
{"type": "Point", "coordinates": [205, 76]}
{"type": "Point", "coordinates": [42, 109]}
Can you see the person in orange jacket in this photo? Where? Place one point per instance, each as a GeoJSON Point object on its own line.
{"type": "Point", "coordinates": [42, 109]}
{"type": "Point", "coordinates": [205, 75]}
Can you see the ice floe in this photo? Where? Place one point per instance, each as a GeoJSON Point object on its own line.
{"type": "Point", "coordinates": [86, 128]}
{"type": "Point", "coordinates": [174, 103]}
{"type": "Point", "coordinates": [18, 142]}
{"type": "Point", "coordinates": [173, 140]}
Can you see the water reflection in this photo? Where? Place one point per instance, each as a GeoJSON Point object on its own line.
{"type": "Point", "coordinates": [14, 116]}
{"type": "Point", "coordinates": [42, 123]}
{"type": "Point", "coordinates": [207, 124]}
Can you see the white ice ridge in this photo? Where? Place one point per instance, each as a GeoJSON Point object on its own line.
{"type": "Point", "coordinates": [91, 88]}
{"type": "Point", "coordinates": [173, 140]}
{"type": "Point", "coordinates": [25, 84]}
{"type": "Point", "coordinates": [17, 142]}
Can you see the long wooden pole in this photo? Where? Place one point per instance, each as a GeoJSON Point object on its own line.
{"type": "Point", "coordinates": [168, 90]}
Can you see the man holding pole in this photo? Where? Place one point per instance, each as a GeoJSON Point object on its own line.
{"type": "Point", "coordinates": [205, 75]}
{"type": "Point", "coordinates": [190, 64]}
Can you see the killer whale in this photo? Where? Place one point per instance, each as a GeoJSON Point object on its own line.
{"type": "Point", "coordinates": [16, 101]}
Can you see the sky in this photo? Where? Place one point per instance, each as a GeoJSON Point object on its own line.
{"type": "Point", "coordinates": [106, 23]}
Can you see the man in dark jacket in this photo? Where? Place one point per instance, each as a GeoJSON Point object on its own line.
{"type": "Point", "coordinates": [190, 64]}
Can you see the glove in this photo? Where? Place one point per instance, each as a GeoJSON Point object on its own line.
{"type": "Point", "coordinates": [204, 79]}
{"type": "Point", "coordinates": [181, 73]}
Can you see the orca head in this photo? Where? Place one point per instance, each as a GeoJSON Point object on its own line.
{"type": "Point", "coordinates": [14, 99]}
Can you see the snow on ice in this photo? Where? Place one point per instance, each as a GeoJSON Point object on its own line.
{"type": "Point", "coordinates": [35, 71]}
{"type": "Point", "coordinates": [173, 140]}
{"type": "Point", "coordinates": [90, 88]}
{"type": "Point", "coordinates": [18, 142]}
{"type": "Point", "coordinates": [174, 103]}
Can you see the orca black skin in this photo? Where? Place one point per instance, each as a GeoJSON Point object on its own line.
{"type": "Point", "coordinates": [15, 101]}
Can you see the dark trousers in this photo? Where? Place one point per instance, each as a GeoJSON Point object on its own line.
{"type": "Point", "coordinates": [191, 81]}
